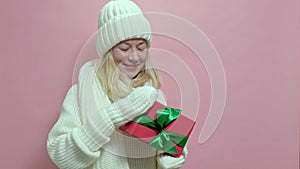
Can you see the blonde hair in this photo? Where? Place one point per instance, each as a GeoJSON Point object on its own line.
{"type": "Point", "coordinates": [117, 85]}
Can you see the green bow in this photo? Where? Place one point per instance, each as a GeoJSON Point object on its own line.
{"type": "Point", "coordinates": [165, 139]}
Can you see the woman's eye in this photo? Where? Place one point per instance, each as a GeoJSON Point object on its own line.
{"type": "Point", "coordinates": [124, 49]}
{"type": "Point", "coordinates": [141, 49]}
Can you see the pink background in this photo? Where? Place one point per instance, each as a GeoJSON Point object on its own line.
{"type": "Point", "coordinates": [257, 42]}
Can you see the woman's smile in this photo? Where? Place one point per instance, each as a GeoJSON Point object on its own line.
{"type": "Point", "coordinates": [130, 65]}
{"type": "Point", "coordinates": [130, 56]}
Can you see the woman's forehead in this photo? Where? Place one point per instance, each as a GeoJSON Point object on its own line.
{"type": "Point", "coordinates": [136, 41]}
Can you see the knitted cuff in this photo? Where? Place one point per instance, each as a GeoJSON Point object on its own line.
{"type": "Point", "coordinates": [96, 131]}
{"type": "Point", "coordinates": [116, 117]}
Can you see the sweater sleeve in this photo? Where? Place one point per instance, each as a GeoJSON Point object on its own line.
{"type": "Point", "coordinates": [71, 144]}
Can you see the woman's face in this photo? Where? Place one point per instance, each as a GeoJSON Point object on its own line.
{"type": "Point", "coordinates": [130, 56]}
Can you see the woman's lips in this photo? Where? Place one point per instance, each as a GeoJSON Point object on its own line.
{"type": "Point", "coordinates": [130, 65]}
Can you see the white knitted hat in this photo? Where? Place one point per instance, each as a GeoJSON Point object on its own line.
{"type": "Point", "coordinates": [120, 20]}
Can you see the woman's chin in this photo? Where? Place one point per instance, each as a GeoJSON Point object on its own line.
{"type": "Point", "coordinates": [131, 75]}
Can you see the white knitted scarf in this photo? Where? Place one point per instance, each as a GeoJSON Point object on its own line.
{"type": "Point", "coordinates": [119, 144]}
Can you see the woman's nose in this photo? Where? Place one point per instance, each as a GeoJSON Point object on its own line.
{"type": "Point", "coordinates": [133, 56]}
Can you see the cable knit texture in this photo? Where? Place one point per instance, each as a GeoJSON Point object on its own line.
{"type": "Point", "coordinates": [85, 135]}
{"type": "Point", "coordinates": [135, 104]}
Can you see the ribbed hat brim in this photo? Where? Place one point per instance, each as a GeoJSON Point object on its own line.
{"type": "Point", "coordinates": [120, 29]}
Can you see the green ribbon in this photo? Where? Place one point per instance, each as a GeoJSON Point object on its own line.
{"type": "Point", "coordinates": [165, 139]}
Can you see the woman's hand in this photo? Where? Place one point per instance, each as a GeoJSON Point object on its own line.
{"type": "Point", "coordinates": [135, 104]}
{"type": "Point", "coordinates": [169, 162]}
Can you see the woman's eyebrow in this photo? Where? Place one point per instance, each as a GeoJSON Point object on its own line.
{"type": "Point", "coordinates": [128, 44]}
{"type": "Point", "coordinates": [140, 43]}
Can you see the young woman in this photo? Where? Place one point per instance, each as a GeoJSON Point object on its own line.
{"type": "Point", "coordinates": [111, 91]}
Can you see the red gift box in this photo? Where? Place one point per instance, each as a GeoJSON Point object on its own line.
{"type": "Point", "coordinates": [162, 127]}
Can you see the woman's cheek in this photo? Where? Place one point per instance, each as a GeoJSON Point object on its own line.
{"type": "Point", "coordinates": [144, 58]}
{"type": "Point", "coordinates": [119, 57]}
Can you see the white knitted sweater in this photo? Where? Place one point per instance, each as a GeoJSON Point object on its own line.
{"type": "Point", "coordinates": [77, 143]}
